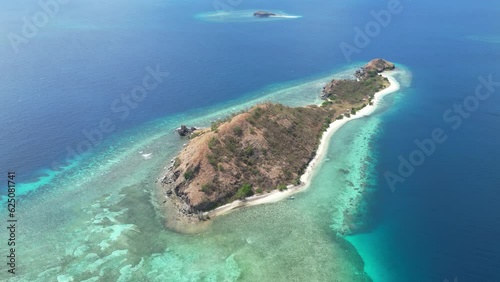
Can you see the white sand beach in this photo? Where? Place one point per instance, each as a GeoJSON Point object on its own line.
{"type": "Point", "coordinates": [306, 178]}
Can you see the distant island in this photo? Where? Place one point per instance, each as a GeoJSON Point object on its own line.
{"type": "Point", "coordinates": [263, 14]}
{"type": "Point", "coordinates": [266, 148]}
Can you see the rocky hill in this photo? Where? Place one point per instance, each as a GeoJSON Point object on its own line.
{"type": "Point", "coordinates": [265, 148]}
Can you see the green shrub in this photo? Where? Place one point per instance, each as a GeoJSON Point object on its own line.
{"type": "Point", "coordinates": [252, 121]}
{"type": "Point", "coordinates": [372, 73]}
{"type": "Point", "coordinates": [231, 143]}
{"type": "Point", "coordinates": [214, 126]}
{"type": "Point", "coordinates": [326, 124]}
{"type": "Point", "coordinates": [212, 143]}
{"type": "Point", "coordinates": [208, 188]}
{"type": "Point", "coordinates": [212, 159]}
{"type": "Point", "coordinates": [257, 113]}
{"type": "Point", "coordinates": [189, 174]}
{"type": "Point", "coordinates": [326, 103]}
{"type": "Point", "coordinates": [282, 187]}
{"type": "Point", "coordinates": [220, 167]}
{"type": "Point", "coordinates": [177, 162]}
{"type": "Point", "coordinates": [244, 191]}
{"type": "Point", "coordinates": [249, 151]}
{"type": "Point", "coordinates": [238, 131]}
{"type": "Point", "coordinates": [297, 181]}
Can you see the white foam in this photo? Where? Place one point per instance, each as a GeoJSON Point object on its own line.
{"type": "Point", "coordinates": [286, 16]}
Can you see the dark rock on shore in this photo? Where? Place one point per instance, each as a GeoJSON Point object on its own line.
{"type": "Point", "coordinates": [263, 14]}
{"type": "Point", "coordinates": [184, 130]}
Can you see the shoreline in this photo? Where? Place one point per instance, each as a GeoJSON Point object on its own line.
{"type": "Point", "coordinates": [307, 176]}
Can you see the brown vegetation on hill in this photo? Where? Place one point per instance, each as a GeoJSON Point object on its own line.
{"type": "Point", "coordinates": [265, 148]}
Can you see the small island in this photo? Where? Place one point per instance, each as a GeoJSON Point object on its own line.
{"type": "Point", "coordinates": [263, 14]}
{"type": "Point", "coordinates": [266, 148]}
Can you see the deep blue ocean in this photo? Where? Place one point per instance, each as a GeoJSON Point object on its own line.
{"type": "Point", "coordinates": [442, 222]}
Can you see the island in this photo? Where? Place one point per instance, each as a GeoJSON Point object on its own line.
{"type": "Point", "coordinates": [266, 148]}
{"type": "Point", "coordinates": [263, 14]}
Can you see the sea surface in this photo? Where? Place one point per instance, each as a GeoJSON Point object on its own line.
{"type": "Point", "coordinates": [87, 157]}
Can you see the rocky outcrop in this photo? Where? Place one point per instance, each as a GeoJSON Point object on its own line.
{"type": "Point", "coordinates": [369, 72]}
{"type": "Point", "coordinates": [375, 66]}
{"type": "Point", "coordinates": [328, 88]}
{"type": "Point", "coordinates": [263, 14]}
{"type": "Point", "coordinates": [184, 130]}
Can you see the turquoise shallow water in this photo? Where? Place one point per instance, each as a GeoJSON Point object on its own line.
{"type": "Point", "coordinates": [93, 219]}
{"type": "Point", "coordinates": [370, 236]}
{"type": "Point", "coordinates": [293, 93]}
{"type": "Point", "coordinates": [110, 228]}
